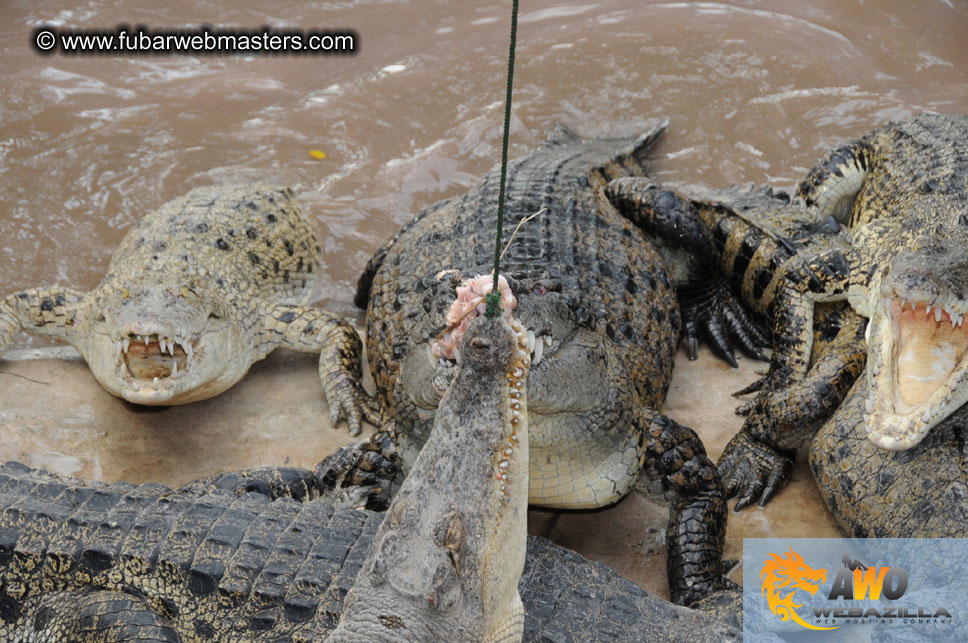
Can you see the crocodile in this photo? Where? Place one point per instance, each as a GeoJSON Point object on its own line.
{"type": "Point", "coordinates": [759, 234]}
{"type": "Point", "coordinates": [900, 194]}
{"type": "Point", "coordinates": [446, 562]}
{"type": "Point", "coordinates": [921, 492]}
{"type": "Point", "coordinates": [901, 191]}
{"type": "Point", "coordinates": [597, 292]}
{"type": "Point", "coordinates": [198, 291]}
{"type": "Point", "coordinates": [269, 554]}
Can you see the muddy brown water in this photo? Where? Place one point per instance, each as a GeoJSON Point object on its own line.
{"type": "Point", "coordinates": [755, 91]}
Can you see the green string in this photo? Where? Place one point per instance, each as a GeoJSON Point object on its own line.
{"type": "Point", "coordinates": [493, 298]}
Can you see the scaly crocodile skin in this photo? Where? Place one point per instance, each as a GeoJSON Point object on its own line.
{"type": "Point", "coordinates": [901, 190]}
{"type": "Point", "coordinates": [252, 556]}
{"type": "Point", "coordinates": [918, 493]}
{"type": "Point", "coordinates": [758, 235]}
{"type": "Point", "coordinates": [199, 290]}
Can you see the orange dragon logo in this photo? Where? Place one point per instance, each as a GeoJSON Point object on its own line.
{"type": "Point", "coordinates": [789, 571]}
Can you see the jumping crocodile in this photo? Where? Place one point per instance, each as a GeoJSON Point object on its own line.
{"type": "Point", "coordinates": [446, 562]}
{"type": "Point", "coordinates": [759, 233]}
{"type": "Point", "coordinates": [262, 555]}
{"type": "Point", "coordinates": [603, 321]}
{"type": "Point", "coordinates": [196, 293]}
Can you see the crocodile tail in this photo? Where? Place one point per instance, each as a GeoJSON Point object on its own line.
{"type": "Point", "coordinates": [631, 157]}
{"type": "Point", "coordinates": [640, 148]}
{"type": "Point", "coordinates": [561, 135]}
{"type": "Point", "coordinates": [362, 296]}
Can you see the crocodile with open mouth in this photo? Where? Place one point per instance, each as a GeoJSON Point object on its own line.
{"type": "Point", "coordinates": [597, 293]}
{"type": "Point", "coordinates": [263, 555]}
{"type": "Point", "coordinates": [901, 191]}
{"type": "Point", "coordinates": [759, 233]}
{"type": "Point", "coordinates": [196, 293]}
{"type": "Point", "coordinates": [902, 264]}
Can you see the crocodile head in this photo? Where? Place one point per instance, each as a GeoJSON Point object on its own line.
{"type": "Point", "coordinates": [164, 344]}
{"type": "Point", "coordinates": [447, 559]}
{"type": "Point", "coordinates": [917, 342]}
{"type": "Point", "coordinates": [573, 388]}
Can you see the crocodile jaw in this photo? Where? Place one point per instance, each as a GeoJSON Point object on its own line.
{"type": "Point", "coordinates": [446, 562]}
{"type": "Point", "coordinates": [151, 365]}
{"type": "Point", "coordinates": [917, 365]}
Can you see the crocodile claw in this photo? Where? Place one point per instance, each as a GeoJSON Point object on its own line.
{"type": "Point", "coordinates": [362, 474]}
{"type": "Point", "coordinates": [348, 400]}
{"type": "Point", "coordinates": [753, 471]}
{"type": "Point", "coordinates": [715, 313]}
{"type": "Point", "coordinates": [772, 382]}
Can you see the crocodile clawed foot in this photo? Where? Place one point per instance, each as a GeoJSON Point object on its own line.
{"type": "Point", "coordinates": [348, 400]}
{"type": "Point", "coordinates": [765, 386]}
{"type": "Point", "coordinates": [705, 591]}
{"type": "Point", "coordinates": [714, 313]}
{"type": "Point", "coordinates": [753, 471]}
{"type": "Point", "coordinates": [363, 474]}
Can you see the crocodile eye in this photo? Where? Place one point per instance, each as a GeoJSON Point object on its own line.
{"type": "Point", "coordinates": [455, 534]}
{"type": "Point", "coordinates": [395, 515]}
{"type": "Point", "coordinates": [540, 290]}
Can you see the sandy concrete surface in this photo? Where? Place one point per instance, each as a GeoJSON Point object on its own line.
{"type": "Point", "coordinates": [54, 415]}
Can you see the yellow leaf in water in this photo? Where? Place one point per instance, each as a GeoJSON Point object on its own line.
{"type": "Point", "coordinates": [317, 154]}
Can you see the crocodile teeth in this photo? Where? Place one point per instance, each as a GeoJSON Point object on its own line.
{"type": "Point", "coordinates": [937, 314]}
{"type": "Point", "coordinates": [155, 380]}
{"type": "Point", "coordinates": [125, 343]}
{"type": "Point", "coordinates": [530, 345]}
{"type": "Point", "coordinates": [146, 340]}
{"type": "Point", "coordinates": [538, 350]}
{"type": "Point", "coordinates": [174, 368]}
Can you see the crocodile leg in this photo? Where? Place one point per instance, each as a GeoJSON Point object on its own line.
{"type": "Point", "coordinates": [272, 482]}
{"type": "Point", "coordinates": [758, 460]}
{"type": "Point", "coordinates": [310, 330]}
{"type": "Point", "coordinates": [364, 474]}
{"type": "Point", "coordinates": [674, 464]}
{"type": "Point", "coordinates": [806, 281]}
{"type": "Point", "coordinates": [85, 616]}
{"type": "Point", "coordinates": [832, 185]}
{"type": "Point", "coordinates": [709, 307]}
{"type": "Point", "coordinates": [41, 311]}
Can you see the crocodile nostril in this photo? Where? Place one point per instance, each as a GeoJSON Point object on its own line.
{"type": "Point", "coordinates": [480, 342]}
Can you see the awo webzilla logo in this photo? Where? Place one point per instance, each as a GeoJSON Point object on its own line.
{"type": "Point", "coordinates": [873, 587]}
